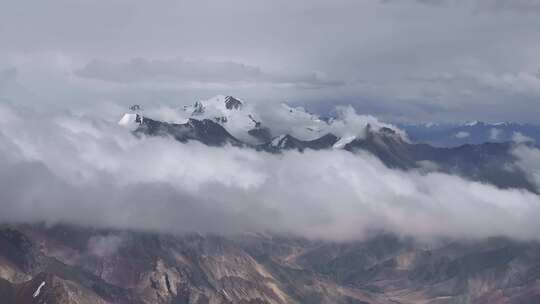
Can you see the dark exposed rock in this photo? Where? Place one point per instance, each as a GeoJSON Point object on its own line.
{"type": "Point", "coordinates": [261, 133]}
{"type": "Point", "coordinates": [486, 162]}
{"type": "Point", "coordinates": [232, 103]}
{"type": "Point", "coordinates": [205, 131]}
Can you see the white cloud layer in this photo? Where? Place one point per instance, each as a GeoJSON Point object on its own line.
{"type": "Point", "coordinates": [529, 162]}
{"type": "Point", "coordinates": [462, 134]}
{"type": "Point", "coordinates": [62, 167]}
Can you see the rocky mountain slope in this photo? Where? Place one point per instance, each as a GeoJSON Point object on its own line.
{"type": "Point", "coordinates": [68, 264]}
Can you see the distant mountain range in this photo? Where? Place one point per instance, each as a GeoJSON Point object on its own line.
{"type": "Point", "coordinates": [475, 132]}
{"type": "Point", "coordinates": [225, 120]}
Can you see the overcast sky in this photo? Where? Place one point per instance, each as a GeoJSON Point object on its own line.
{"type": "Point", "coordinates": [401, 60]}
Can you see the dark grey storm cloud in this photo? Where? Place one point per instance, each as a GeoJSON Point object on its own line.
{"type": "Point", "coordinates": [141, 70]}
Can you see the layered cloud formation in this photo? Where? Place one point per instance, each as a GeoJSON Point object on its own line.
{"type": "Point", "coordinates": [62, 167]}
{"type": "Point", "coordinates": [141, 70]}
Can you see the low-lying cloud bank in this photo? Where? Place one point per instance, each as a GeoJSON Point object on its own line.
{"type": "Point", "coordinates": [65, 168]}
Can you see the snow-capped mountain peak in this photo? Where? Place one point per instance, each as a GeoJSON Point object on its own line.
{"type": "Point", "coordinates": [279, 142]}
{"type": "Point", "coordinates": [132, 119]}
{"type": "Point", "coordinates": [236, 116]}
{"type": "Point", "coordinates": [232, 103]}
{"type": "Point", "coordinates": [343, 141]}
{"type": "Point", "coordinates": [472, 123]}
{"type": "Point", "coordinates": [220, 103]}
{"type": "Point", "coordinates": [260, 124]}
{"type": "Point", "coordinates": [127, 119]}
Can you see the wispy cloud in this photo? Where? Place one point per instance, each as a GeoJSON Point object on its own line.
{"type": "Point", "coordinates": [143, 70]}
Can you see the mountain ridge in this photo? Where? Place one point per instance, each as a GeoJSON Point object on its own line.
{"type": "Point", "coordinates": [485, 162]}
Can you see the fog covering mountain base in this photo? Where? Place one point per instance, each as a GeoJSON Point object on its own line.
{"type": "Point", "coordinates": [62, 167]}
